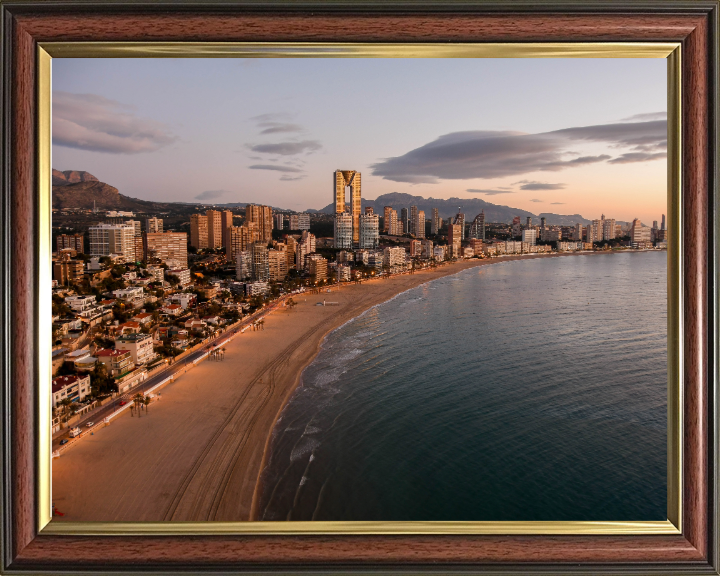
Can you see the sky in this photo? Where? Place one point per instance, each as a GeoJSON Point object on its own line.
{"type": "Point", "coordinates": [568, 136]}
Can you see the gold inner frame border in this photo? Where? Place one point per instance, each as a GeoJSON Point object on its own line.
{"type": "Point", "coordinates": [668, 50]}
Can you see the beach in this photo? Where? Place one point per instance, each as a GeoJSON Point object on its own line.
{"type": "Point", "coordinates": [197, 453]}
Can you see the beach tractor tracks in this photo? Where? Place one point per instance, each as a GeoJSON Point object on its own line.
{"type": "Point", "coordinates": [235, 411]}
{"type": "Point", "coordinates": [271, 371]}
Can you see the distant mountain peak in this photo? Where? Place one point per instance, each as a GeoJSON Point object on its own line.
{"type": "Point", "coordinates": [71, 177]}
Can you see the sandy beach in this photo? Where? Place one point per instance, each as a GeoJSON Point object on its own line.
{"type": "Point", "coordinates": [197, 454]}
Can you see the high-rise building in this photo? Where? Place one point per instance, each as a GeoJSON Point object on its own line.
{"type": "Point", "coordinates": [291, 243]}
{"type": "Point", "coordinates": [415, 248]}
{"type": "Point", "coordinates": [239, 239]}
{"type": "Point", "coordinates": [528, 222]}
{"type": "Point", "coordinates": [460, 219]}
{"type": "Point", "coordinates": [608, 231]}
{"type": "Point", "coordinates": [72, 241]}
{"type": "Point", "coordinates": [279, 221]}
{"type": "Point", "coordinates": [243, 265]}
{"type": "Point", "coordinates": [516, 227]}
{"type": "Point", "coordinates": [435, 221]}
{"type": "Point", "coordinates": [404, 221]}
{"type": "Point", "coordinates": [343, 179]}
{"type": "Point", "coordinates": [137, 225]}
{"type": "Point", "coordinates": [317, 267]}
{"type": "Point", "coordinates": [591, 234]}
{"type": "Point", "coordinates": [369, 210]}
{"type": "Point", "coordinates": [542, 222]}
{"type": "Point", "coordinates": [216, 232]}
{"type": "Point", "coordinates": [226, 222]}
{"type": "Point", "coordinates": [639, 234]}
{"type": "Point", "coordinates": [260, 262]}
{"type": "Point", "coordinates": [277, 265]}
{"type": "Point", "coordinates": [394, 259]}
{"type": "Point", "coordinates": [530, 236]}
{"type": "Point", "coordinates": [262, 216]}
{"type": "Point", "coordinates": [420, 224]}
{"type": "Point", "coordinates": [477, 228]}
{"type": "Point", "coordinates": [578, 234]}
{"type": "Point", "coordinates": [304, 247]}
{"type": "Point", "coordinates": [199, 231]}
{"type": "Point", "coordinates": [387, 211]}
{"type": "Point", "coordinates": [655, 225]}
{"type": "Point", "coordinates": [167, 247]}
{"type": "Point", "coordinates": [662, 225]}
{"type": "Point", "coordinates": [370, 231]}
{"type": "Point", "coordinates": [413, 220]}
{"type": "Point", "coordinates": [343, 231]}
{"type": "Point", "coordinates": [107, 239]}
{"type": "Point", "coordinates": [66, 270]}
{"type": "Point", "coordinates": [153, 225]}
{"type": "Point", "coordinates": [300, 221]}
{"type": "Point", "coordinates": [454, 240]}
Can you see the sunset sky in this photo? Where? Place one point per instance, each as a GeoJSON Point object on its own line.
{"type": "Point", "coordinates": [557, 135]}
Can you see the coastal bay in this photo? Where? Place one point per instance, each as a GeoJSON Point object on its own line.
{"type": "Point", "coordinates": [198, 452]}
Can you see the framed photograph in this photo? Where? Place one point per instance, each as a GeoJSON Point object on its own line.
{"type": "Point", "coordinates": [491, 347]}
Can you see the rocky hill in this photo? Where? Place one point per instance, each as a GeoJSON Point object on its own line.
{"type": "Point", "coordinates": [76, 189]}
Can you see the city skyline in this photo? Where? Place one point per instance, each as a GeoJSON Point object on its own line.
{"type": "Point", "coordinates": [588, 138]}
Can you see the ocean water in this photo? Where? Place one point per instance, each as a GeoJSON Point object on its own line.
{"type": "Point", "coordinates": [524, 390]}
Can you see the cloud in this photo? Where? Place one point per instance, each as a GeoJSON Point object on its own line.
{"type": "Point", "coordinates": [498, 154]}
{"type": "Point", "coordinates": [99, 124]}
{"type": "Point", "coordinates": [276, 168]}
{"type": "Point", "coordinates": [489, 192]}
{"type": "Point", "coordinates": [536, 200]}
{"type": "Point", "coordinates": [211, 194]}
{"type": "Point", "coordinates": [631, 157]}
{"type": "Point", "coordinates": [645, 117]}
{"type": "Point", "coordinates": [541, 186]}
{"type": "Point", "coordinates": [557, 203]}
{"type": "Point", "coordinates": [278, 127]}
{"type": "Point", "coordinates": [288, 148]}
{"type": "Point", "coordinates": [287, 178]}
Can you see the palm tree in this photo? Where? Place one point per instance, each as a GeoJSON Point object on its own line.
{"type": "Point", "coordinates": [262, 324]}
{"type": "Point", "coordinates": [137, 401]}
{"type": "Point", "coordinates": [146, 401]}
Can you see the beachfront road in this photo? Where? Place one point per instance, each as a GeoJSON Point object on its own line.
{"type": "Point", "coordinates": [176, 368]}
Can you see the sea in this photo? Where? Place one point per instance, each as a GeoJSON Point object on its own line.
{"type": "Point", "coordinates": [521, 390]}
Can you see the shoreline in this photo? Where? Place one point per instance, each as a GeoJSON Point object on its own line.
{"type": "Point", "coordinates": [470, 264]}
{"type": "Point", "coordinates": [199, 454]}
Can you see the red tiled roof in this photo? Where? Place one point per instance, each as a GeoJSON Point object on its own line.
{"type": "Point", "coordinates": [62, 381]}
{"type": "Point", "coordinates": [111, 352]}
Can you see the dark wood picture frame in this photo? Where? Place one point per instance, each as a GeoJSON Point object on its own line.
{"type": "Point", "coordinates": [692, 23]}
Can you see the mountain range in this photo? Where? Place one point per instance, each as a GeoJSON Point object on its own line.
{"type": "Point", "coordinates": [471, 207]}
{"type": "Point", "coordinates": [78, 189]}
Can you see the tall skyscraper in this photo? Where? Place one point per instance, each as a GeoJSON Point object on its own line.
{"type": "Point", "coordinates": [215, 229]}
{"type": "Point", "coordinates": [369, 231]}
{"type": "Point", "coordinates": [608, 231]}
{"type": "Point", "coordinates": [343, 231]}
{"type": "Point", "coordinates": [386, 219]}
{"type": "Point", "coordinates": [243, 265]}
{"type": "Point", "coordinates": [153, 225]}
{"type": "Point", "coordinates": [226, 222]}
{"type": "Point", "coordinates": [279, 221]}
{"type": "Point", "coordinates": [260, 262]}
{"type": "Point", "coordinates": [460, 219]}
{"type": "Point", "coordinates": [262, 216]}
{"type": "Point", "coordinates": [662, 225]}
{"type": "Point", "coordinates": [542, 222]}
{"type": "Point", "coordinates": [435, 222]}
{"type": "Point", "coordinates": [404, 221]}
{"type": "Point", "coordinates": [343, 179]}
{"type": "Point", "coordinates": [199, 231]}
{"type": "Point", "coordinates": [167, 247]}
{"type": "Point", "coordinates": [420, 224]}
{"type": "Point", "coordinates": [655, 225]}
{"type": "Point", "coordinates": [528, 221]}
{"type": "Point", "coordinates": [477, 228]}
{"type": "Point", "coordinates": [413, 220]}
{"type": "Point", "coordinates": [454, 241]}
